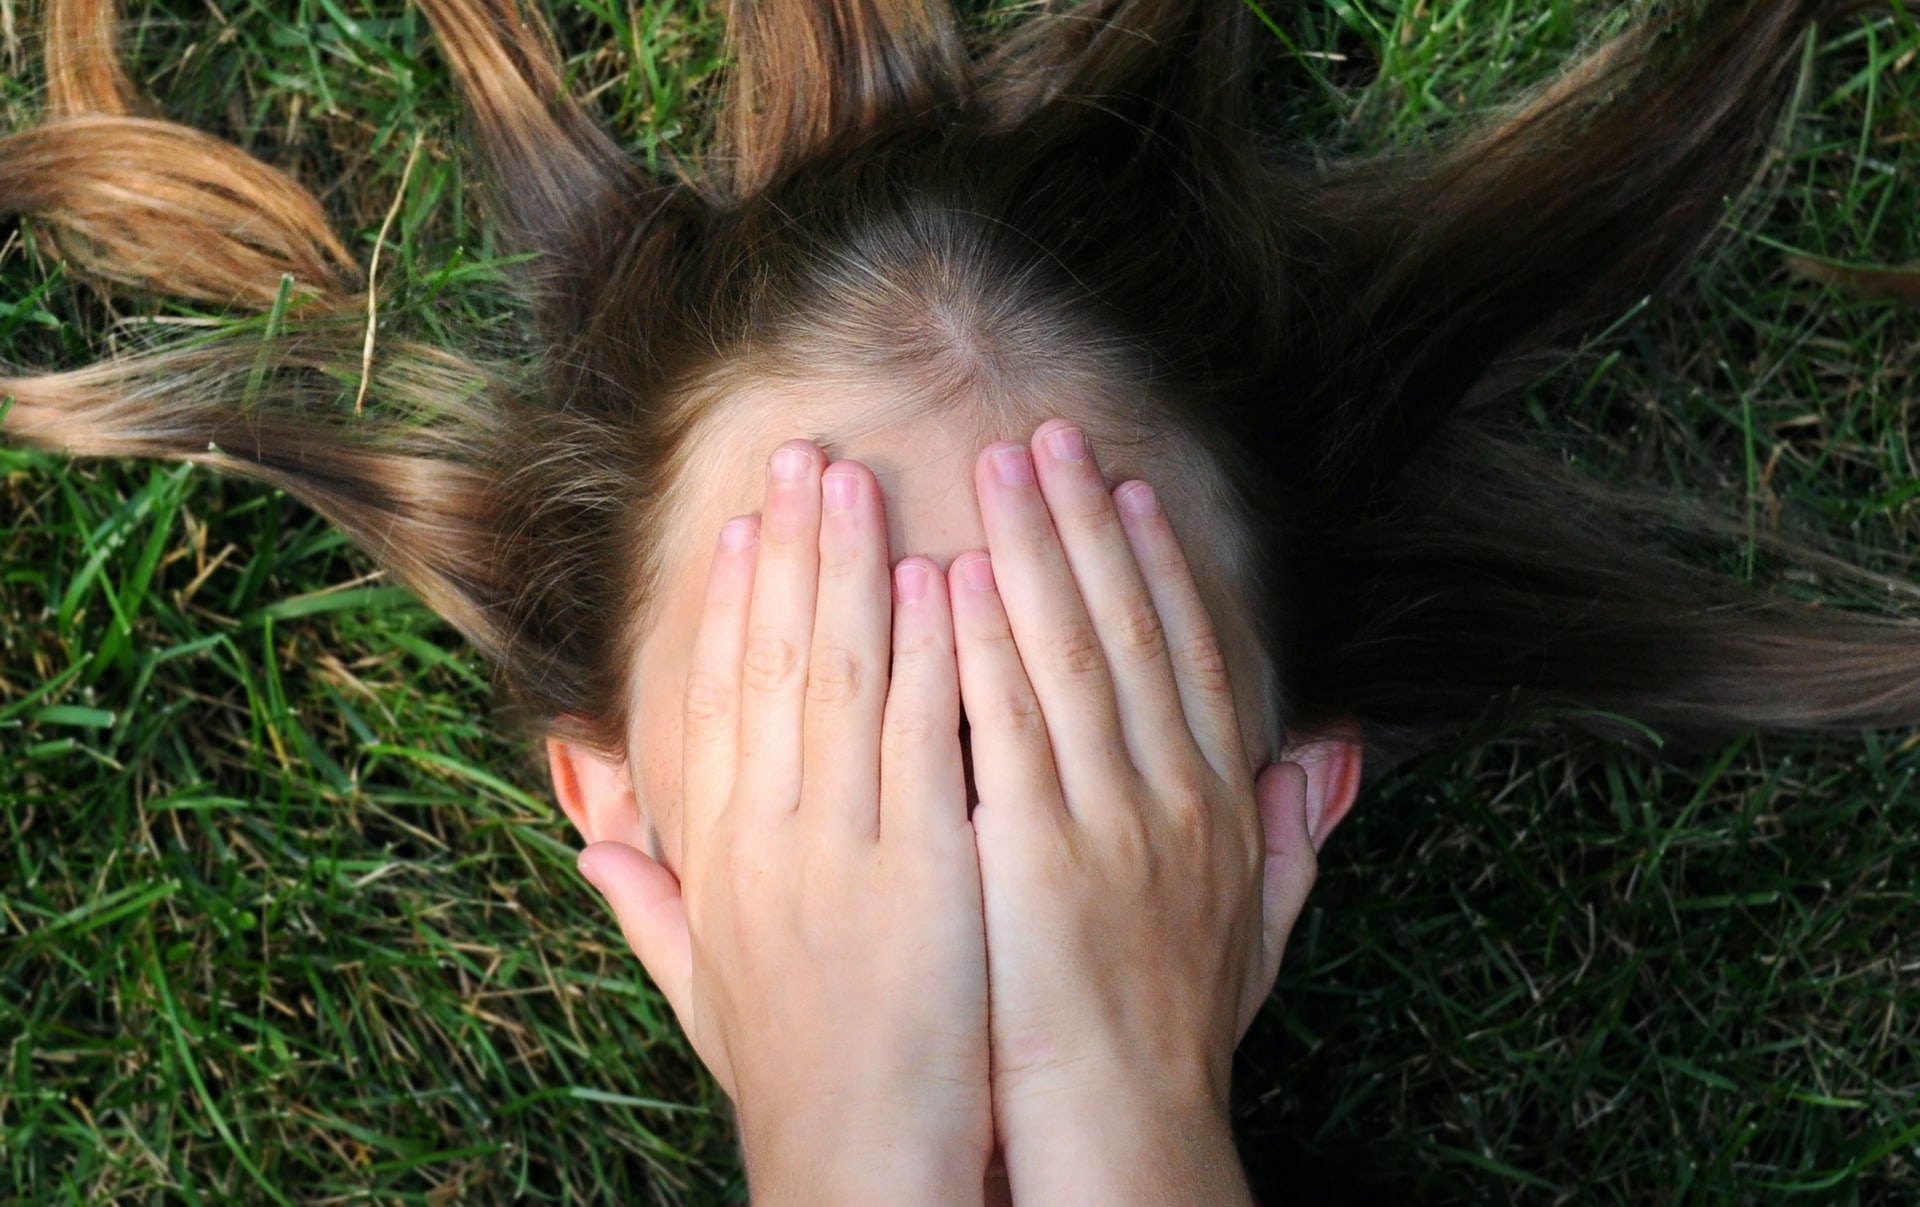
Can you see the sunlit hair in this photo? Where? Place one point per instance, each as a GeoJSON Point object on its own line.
{"type": "Point", "coordinates": [1082, 198]}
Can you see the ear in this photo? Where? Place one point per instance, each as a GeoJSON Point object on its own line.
{"type": "Point", "coordinates": [596, 794]}
{"type": "Point", "coordinates": [1331, 756]}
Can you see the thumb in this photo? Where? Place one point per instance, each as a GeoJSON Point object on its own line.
{"type": "Point", "coordinates": [1287, 876]}
{"type": "Point", "coordinates": [646, 899]}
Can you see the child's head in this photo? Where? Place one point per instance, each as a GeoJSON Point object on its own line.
{"type": "Point", "coordinates": [905, 247]}
{"type": "Point", "coordinates": [904, 303]}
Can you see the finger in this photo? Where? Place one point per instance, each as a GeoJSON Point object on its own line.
{"type": "Point", "coordinates": [1115, 596]}
{"type": "Point", "coordinates": [1287, 875]}
{"type": "Point", "coordinates": [711, 726]}
{"type": "Point", "coordinates": [1199, 667]}
{"type": "Point", "coordinates": [646, 899]}
{"type": "Point", "coordinates": [847, 665]}
{"type": "Point", "coordinates": [1058, 645]}
{"type": "Point", "coordinates": [773, 679]}
{"type": "Point", "coordinates": [1013, 769]}
{"type": "Point", "coordinates": [923, 795]}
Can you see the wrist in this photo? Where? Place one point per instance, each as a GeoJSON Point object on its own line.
{"type": "Point", "coordinates": [1071, 1090]}
{"type": "Point", "coordinates": [1115, 1143]}
{"type": "Point", "coordinates": [843, 1160]}
{"type": "Point", "coordinates": [876, 1174]}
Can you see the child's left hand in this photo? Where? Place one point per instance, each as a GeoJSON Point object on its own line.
{"type": "Point", "coordinates": [1135, 916]}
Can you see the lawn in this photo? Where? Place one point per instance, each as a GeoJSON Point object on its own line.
{"type": "Point", "coordinates": [285, 915]}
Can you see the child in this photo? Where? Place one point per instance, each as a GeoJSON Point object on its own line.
{"type": "Point", "coordinates": [909, 247]}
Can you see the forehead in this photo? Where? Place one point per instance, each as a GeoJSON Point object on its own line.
{"type": "Point", "coordinates": [922, 455]}
{"type": "Point", "coordinates": [922, 460]}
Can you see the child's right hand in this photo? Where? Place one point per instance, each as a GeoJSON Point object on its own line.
{"type": "Point", "coordinates": [1119, 828]}
{"type": "Point", "coordinates": [823, 946]}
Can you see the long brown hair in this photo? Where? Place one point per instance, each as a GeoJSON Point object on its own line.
{"type": "Point", "coordinates": [1083, 195]}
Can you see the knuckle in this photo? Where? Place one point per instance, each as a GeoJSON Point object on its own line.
{"type": "Point", "coordinates": [770, 662]}
{"type": "Point", "coordinates": [988, 639]}
{"type": "Point", "coordinates": [1074, 651]}
{"type": "Point", "coordinates": [784, 531]}
{"type": "Point", "coordinates": [840, 558]}
{"type": "Point", "coordinates": [1091, 510]}
{"type": "Point", "coordinates": [1188, 803]}
{"type": "Point", "coordinates": [912, 723]}
{"type": "Point", "coordinates": [709, 700]}
{"type": "Point", "coordinates": [913, 645]}
{"type": "Point", "coordinates": [1169, 559]}
{"type": "Point", "coordinates": [997, 635]}
{"type": "Point", "coordinates": [1205, 662]}
{"type": "Point", "coordinates": [1135, 630]}
{"type": "Point", "coordinates": [1037, 541]}
{"type": "Point", "coordinates": [834, 677]}
{"type": "Point", "coordinates": [1015, 711]}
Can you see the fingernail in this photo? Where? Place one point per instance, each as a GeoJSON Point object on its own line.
{"type": "Point", "coordinates": [1013, 467]}
{"type": "Point", "coordinates": [979, 573]}
{"type": "Point", "coordinates": [736, 535]}
{"type": "Point", "coordinates": [840, 488]}
{"type": "Point", "coordinates": [910, 580]}
{"type": "Point", "coordinates": [790, 465]}
{"type": "Point", "coordinates": [1067, 444]}
{"type": "Point", "coordinates": [1138, 499]}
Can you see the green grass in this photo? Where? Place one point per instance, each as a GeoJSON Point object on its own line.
{"type": "Point", "coordinates": [283, 916]}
